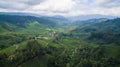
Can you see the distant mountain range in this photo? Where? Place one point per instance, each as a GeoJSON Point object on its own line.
{"type": "Point", "coordinates": [20, 14]}
{"type": "Point", "coordinates": [87, 17]}
{"type": "Point", "coordinates": [73, 18]}
{"type": "Point", "coordinates": [19, 19]}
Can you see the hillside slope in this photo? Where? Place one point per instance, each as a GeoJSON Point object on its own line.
{"type": "Point", "coordinates": [106, 32]}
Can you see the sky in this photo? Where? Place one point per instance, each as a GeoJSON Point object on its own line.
{"type": "Point", "coordinates": [62, 7]}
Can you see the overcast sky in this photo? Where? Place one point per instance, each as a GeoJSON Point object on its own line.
{"type": "Point", "coordinates": [62, 7]}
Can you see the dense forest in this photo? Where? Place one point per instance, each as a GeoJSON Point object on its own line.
{"type": "Point", "coordinates": [28, 41]}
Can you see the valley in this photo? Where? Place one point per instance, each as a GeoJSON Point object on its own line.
{"type": "Point", "coordinates": [30, 41]}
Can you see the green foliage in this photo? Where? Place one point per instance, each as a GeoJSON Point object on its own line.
{"type": "Point", "coordinates": [8, 40]}
{"type": "Point", "coordinates": [93, 45]}
{"type": "Point", "coordinates": [21, 20]}
{"type": "Point", "coordinates": [105, 38]}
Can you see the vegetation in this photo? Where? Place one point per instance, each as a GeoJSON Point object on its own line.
{"type": "Point", "coordinates": [33, 41]}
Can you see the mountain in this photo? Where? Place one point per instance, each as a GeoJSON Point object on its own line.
{"type": "Point", "coordinates": [21, 20]}
{"type": "Point", "coordinates": [56, 41]}
{"type": "Point", "coordinates": [106, 32]}
{"type": "Point", "coordinates": [88, 22]}
{"type": "Point", "coordinates": [20, 14]}
{"type": "Point", "coordinates": [87, 17]}
{"type": "Point", "coordinates": [59, 20]}
{"type": "Point", "coordinates": [104, 26]}
{"type": "Point", "coordinates": [17, 23]}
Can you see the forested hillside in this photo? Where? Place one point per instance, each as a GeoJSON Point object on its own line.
{"type": "Point", "coordinates": [29, 41]}
{"type": "Point", "coordinates": [104, 32]}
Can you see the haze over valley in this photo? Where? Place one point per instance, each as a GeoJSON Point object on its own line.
{"type": "Point", "coordinates": [59, 33]}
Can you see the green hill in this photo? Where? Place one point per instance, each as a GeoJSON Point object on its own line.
{"type": "Point", "coordinates": [104, 26]}
{"type": "Point", "coordinates": [106, 32]}
{"type": "Point", "coordinates": [29, 41]}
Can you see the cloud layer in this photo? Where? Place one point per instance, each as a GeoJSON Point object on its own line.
{"type": "Point", "coordinates": [62, 7]}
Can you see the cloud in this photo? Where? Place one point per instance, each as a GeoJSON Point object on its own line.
{"type": "Point", "coordinates": [62, 7]}
{"type": "Point", "coordinates": [107, 3]}
{"type": "Point", "coordinates": [14, 5]}
{"type": "Point", "coordinates": [18, 4]}
{"type": "Point", "coordinates": [54, 5]}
